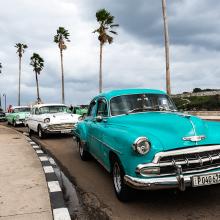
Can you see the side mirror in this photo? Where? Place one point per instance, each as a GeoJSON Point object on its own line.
{"type": "Point", "coordinates": [99, 118]}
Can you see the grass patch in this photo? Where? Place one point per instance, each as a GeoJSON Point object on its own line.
{"type": "Point", "coordinates": [198, 103]}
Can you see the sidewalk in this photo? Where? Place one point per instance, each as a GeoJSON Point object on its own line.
{"type": "Point", "coordinates": [23, 188]}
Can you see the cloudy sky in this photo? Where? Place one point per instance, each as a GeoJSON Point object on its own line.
{"type": "Point", "coordinates": [135, 59]}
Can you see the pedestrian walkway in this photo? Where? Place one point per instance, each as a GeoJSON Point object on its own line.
{"type": "Point", "coordinates": [23, 188]}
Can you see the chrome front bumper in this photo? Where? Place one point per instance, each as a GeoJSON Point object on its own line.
{"type": "Point", "coordinates": [59, 128]}
{"type": "Point", "coordinates": [179, 181]}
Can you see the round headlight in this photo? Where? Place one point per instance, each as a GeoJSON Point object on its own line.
{"type": "Point", "coordinates": [17, 117]}
{"type": "Point", "coordinates": [141, 145]}
{"type": "Point", "coordinates": [46, 120]}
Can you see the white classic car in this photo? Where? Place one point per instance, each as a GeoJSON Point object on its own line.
{"type": "Point", "coordinates": [51, 119]}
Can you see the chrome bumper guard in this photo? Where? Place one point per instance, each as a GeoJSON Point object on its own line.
{"type": "Point", "coordinates": [179, 181]}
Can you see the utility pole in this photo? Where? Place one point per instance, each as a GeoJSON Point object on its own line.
{"type": "Point", "coordinates": [167, 50]}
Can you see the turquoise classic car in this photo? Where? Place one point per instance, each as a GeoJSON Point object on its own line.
{"type": "Point", "coordinates": [145, 143]}
{"type": "Point", "coordinates": [18, 115]}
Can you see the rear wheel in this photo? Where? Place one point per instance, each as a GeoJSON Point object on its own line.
{"type": "Point", "coordinates": [84, 155]}
{"type": "Point", "coordinates": [30, 132]}
{"type": "Point", "coordinates": [122, 191]}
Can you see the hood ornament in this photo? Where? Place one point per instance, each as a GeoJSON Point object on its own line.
{"type": "Point", "coordinates": [194, 138]}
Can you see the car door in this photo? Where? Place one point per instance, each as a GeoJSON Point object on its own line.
{"type": "Point", "coordinates": [96, 128]}
{"type": "Point", "coordinates": [30, 120]}
{"type": "Point", "coordinates": [35, 119]}
{"type": "Point", "coordinates": [89, 121]}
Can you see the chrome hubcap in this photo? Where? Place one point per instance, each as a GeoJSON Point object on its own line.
{"type": "Point", "coordinates": [39, 133]}
{"type": "Point", "coordinates": [117, 177]}
{"type": "Point", "coordinates": [80, 149]}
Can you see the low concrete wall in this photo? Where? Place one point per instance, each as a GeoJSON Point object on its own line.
{"type": "Point", "coordinates": [207, 115]}
{"type": "Point", "coordinates": [204, 113]}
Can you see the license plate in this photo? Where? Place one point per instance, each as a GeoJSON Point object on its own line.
{"type": "Point", "coordinates": [208, 179]}
{"type": "Point", "coordinates": [66, 131]}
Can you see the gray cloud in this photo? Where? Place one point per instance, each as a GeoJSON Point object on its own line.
{"type": "Point", "coordinates": [136, 59]}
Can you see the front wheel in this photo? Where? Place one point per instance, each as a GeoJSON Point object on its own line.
{"type": "Point", "coordinates": [122, 191]}
{"type": "Point", "coordinates": [41, 133]}
{"type": "Point", "coordinates": [14, 123]}
{"type": "Point", "coordinates": [84, 155]}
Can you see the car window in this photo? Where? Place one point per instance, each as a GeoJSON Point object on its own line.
{"type": "Point", "coordinates": [17, 110]}
{"type": "Point", "coordinates": [102, 109]}
{"type": "Point", "coordinates": [53, 109]}
{"type": "Point", "coordinates": [91, 110]}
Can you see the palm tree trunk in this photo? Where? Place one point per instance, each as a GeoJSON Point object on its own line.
{"type": "Point", "coordinates": [19, 83]}
{"type": "Point", "coordinates": [38, 94]}
{"type": "Point", "coordinates": [167, 50]}
{"type": "Point", "coordinates": [62, 72]}
{"type": "Point", "coordinates": [100, 68]}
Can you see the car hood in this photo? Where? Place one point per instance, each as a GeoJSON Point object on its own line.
{"type": "Point", "coordinates": [169, 128]}
{"type": "Point", "coordinates": [23, 115]}
{"type": "Point", "coordinates": [62, 117]}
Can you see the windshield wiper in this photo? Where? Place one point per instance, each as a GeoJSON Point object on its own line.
{"type": "Point", "coordinates": [140, 109]}
{"type": "Point", "coordinates": [154, 108]}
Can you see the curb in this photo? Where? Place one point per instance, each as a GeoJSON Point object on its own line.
{"type": "Point", "coordinates": [59, 209]}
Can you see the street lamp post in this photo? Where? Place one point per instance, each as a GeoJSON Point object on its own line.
{"type": "Point", "coordinates": [4, 95]}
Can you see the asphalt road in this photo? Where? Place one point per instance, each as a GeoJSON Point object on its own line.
{"type": "Point", "coordinates": [96, 189]}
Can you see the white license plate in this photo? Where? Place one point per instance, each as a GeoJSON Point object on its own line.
{"type": "Point", "coordinates": [207, 179]}
{"type": "Point", "coordinates": [66, 131]}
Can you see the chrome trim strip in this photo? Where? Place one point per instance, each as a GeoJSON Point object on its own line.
{"type": "Point", "coordinates": [106, 145]}
{"type": "Point", "coordinates": [185, 151]}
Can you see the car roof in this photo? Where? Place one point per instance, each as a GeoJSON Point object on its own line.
{"type": "Point", "coordinates": [25, 106]}
{"type": "Point", "coordinates": [45, 105]}
{"type": "Point", "coordinates": [120, 92]}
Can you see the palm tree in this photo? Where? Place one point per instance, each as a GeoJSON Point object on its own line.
{"type": "Point", "coordinates": [20, 50]}
{"type": "Point", "coordinates": [0, 67]}
{"type": "Point", "coordinates": [0, 93]}
{"type": "Point", "coordinates": [60, 38]}
{"type": "Point", "coordinates": [106, 22]}
{"type": "Point", "coordinates": [167, 49]}
{"type": "Point", "coordinates": [38, 63]}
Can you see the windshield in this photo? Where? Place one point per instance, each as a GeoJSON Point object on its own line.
{"type": "Point", "coordinates": [127, 104]}
{"type": "Point", "coordinates": [54, 109]}
{"type": "Point", "coordinates": [16, 110]}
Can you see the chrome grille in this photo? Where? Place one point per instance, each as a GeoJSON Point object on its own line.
{"type": "Point", "coordinates": [57, 127]}
{"type": "Point", "coordinates": [190, 161]}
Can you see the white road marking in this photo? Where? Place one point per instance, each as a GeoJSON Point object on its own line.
{"type": "Point", "coordinates": [35, 146]}
{"type": "Point", "coordinates": [48, 169]}
{"type": "Point", "coordinates": [43, 158]}
{"type": "Point", "coordinates": [61, 214]}
{"type": "Point", "coordinates": [32, 142]}
{"type": "Point", "coordinates": [39, 152]}
{"type": "Point", "coordinates": [52, 161]}
{"type": "Point", "coordinates": [54, 186]}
